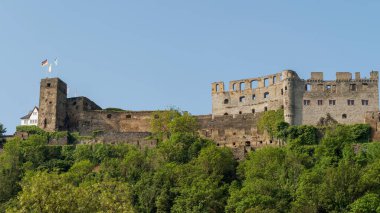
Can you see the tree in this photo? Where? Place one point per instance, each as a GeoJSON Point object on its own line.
{"type": "Point", "coordinates": [269, 121]}
{"type": "Point", "coordinates": [166, 123]}
{"type": "Point", "coordinates": [2, 129]}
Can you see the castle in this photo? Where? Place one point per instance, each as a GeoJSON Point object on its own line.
{"type": "Point", "coordinates": [235, 112]}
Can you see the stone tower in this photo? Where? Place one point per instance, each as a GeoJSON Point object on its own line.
{"type": "Point", "coordinates": [294, 88]}
{"type": "Point", "coordinates": [53, 97]}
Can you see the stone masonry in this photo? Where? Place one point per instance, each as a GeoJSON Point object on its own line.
{"type": "Point", "coordinates": [235, 111]}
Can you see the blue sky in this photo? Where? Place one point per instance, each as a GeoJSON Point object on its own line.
{"type": "Point", "coordinates": [148, 55]}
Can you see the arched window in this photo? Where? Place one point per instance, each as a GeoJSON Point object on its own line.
{"type": "Point", "coordinates": [242, 99]}
{"type": "Point", "coordinates": [274, 79]}
{"type": "Point", "coordinates": [253, 111]}
{"type": "Point", "coordinates": [253, 97]}
{"type": "Point", "coordinates": [234, 87]}
{"type": "Point", "coordinates": [265, 109]}
{"type": "Point", "coordinates": [225, 101]}
{"type": "Point", "coordinates": [265, 82]}
{"type": "Point", "coordinates": [226, 113]}
{"type": "Point", "coordinates": [253, 84]}
{"type": "Point", "coordinates": [242, 86]}
{"type": "Point", "coordinates": [217, 87]}
{"type": "Point", "coordinates": [266, 95]}
{"type": "Point", "coordinates": [344, 116]}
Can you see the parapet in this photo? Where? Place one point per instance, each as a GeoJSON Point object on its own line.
{"type": "Point", "coordinates": [318, 76]}
{"type": "Point", "coordinates": [252, 83]}
{"type": "Point", "coordinates": [374, 75]}
{"type": "Point", "coordinates": [343, 76]}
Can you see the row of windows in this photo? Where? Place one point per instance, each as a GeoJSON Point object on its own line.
{"type": "Point", "coordinates": [350, 102]}
{"type": "Point", "coordinates": [253, 84]}
{"type": "Point", "coordinates": [242, 98]}
{"type": "Point", "coordinates": [30, 122]}
{"type": "Point", "coordinates": [352, 87]}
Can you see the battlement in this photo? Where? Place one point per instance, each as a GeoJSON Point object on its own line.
{"type": "Point", "coordinates": [253, 83]}
{"type": "Point", "coordinates": [344, 76]}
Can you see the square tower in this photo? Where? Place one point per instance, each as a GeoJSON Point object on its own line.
{"type": "Point", "coordinates": [53, 97]}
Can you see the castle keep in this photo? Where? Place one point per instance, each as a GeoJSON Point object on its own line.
{"type": "Point", "coordinates": [235, 110]}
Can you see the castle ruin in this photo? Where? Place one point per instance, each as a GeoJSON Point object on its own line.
{"type": "Point", "coordinates": [235, 111]}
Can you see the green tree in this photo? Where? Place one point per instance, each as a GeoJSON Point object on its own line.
{"type": "Point", "coordinates": [2, 129]}
{"type": "Point", "coordinates": [369, 203]}
{"type": "Point", "coordinates": [166, 123]}
{"type": "Point", "coordinates": [269, 121]}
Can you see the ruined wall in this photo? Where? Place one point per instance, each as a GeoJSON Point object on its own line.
{"type": "Point", "coordinates": [271, 92]}
{"type": "Point", "coordinates": [345, 98]}
{"type": "Point", "coordinates": [130, 121]}
{"type": "Point", "coordinates": [373, 119]}
{"type": "Point", "coordinates": [304, 101]}
{"type": "Point", "coordinates": [248, 95]}
{"type": "Point", "coordinates": [238, 132]}
{"type": "Point", "coordinates": [139, 139]}
{"type": "Point", "coordinates": [52, 107]}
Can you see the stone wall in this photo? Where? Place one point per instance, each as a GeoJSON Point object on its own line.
{"type": "Point", "coordinates": [238, 132]}
{"type": "Point", "coordinates": [373, 119]}
{"type": "Point", "coordinates": [86, 122]}
{"type": "Point", "coordinates": [139, 139]}
{"type": "Point", "coordinates": [304, 101]}
{"type": "Point", "coordinates": [335, 97]}
{"type": "Point", "coordinates": [52, 108]}
{"type": "Point", "coordinates": [249, 96]}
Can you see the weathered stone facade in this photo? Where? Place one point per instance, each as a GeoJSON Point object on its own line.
{"type": "Point", "coordinates": [235, 112]}
{"type": "Point", "coordinates": [304, 101]}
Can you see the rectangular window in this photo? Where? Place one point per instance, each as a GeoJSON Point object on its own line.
{"type": "Point", "coordinates": [352, 87]}
{"type": "Point", "coordinates": [306, 102]}
{"type": "Point", "coordinates": [350, 102]}
{"type": "Point", "coordinates": [331, 102]}
{"type": "Point", "coordinates": [320, 102]}
{"type": "Point", "coordinates": [365, 102]}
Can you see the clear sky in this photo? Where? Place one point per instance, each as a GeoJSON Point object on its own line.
{"type": "Point", "coordinates": [148, 55]}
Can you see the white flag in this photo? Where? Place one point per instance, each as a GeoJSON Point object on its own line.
{"type": "Point", "coordinates": [49, 68]}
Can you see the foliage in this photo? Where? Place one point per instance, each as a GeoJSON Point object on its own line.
{"type": "Point", "coordinates": [112, 109]}
{"type": "Point", "coordinates": [31, 130]}
{"type": "Point", "coordinates": [166, 123]}
{"type": "Point", "coordinates": [2, 129]}
{"type": "Point", "coordinates": [322, 169]}
{"type": "Point", "coordinates": [269, 121]}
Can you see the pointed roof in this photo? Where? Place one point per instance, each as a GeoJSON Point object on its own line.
{"type": "Point", "coordinates": [29, 114]}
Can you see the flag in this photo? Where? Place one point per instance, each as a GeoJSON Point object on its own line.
{"type": "Point", "coordinates": [56, 62]}
{"type": "Point", "coordinates": [49, 68]}
{"type": "Point", "coordinates": [44, 63]}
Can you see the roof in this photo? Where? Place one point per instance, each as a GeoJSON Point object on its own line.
{"type": "Point", "coordinates": [29, 114]}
